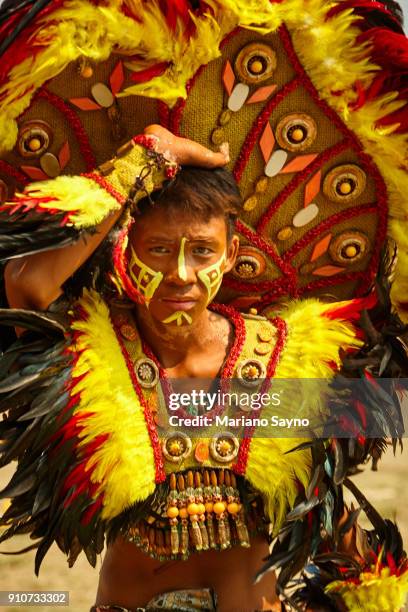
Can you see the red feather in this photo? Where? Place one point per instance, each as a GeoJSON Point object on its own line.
{"type": "Point", "coordinates": [149, 73]}
{"type": "Point", "coordinates": [350, 311]}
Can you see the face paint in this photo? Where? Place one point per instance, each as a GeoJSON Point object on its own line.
{"type": "Point", "coordinates": [180, 318]}
{"type": "Point", "coordinates": [146, 279]}
{"type": "Point", "coordinates": [211, 277]}
{"type": "Point", "coordinates": [181, 261]}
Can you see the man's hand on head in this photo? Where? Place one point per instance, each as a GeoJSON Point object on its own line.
{"type": "Point", "coordinates": [187, 152]}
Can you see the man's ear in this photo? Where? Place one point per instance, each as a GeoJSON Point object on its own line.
{"type": "Point", "coordinates": [232, 253]}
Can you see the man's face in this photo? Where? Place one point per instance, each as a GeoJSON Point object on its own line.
{"type": "Point", "coordinates": [177, 262]}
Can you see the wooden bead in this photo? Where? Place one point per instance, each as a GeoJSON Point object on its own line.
{"type": "Point", "coordinates": [200, 508]}
{"type": "Point", "coordinates": [183, 514]}
{"type": "Point", "coordinates": [192, 508]}
{"type": "Point", "coordinates": [219, 507]}
{"type": "Point", "coordinates": [172, 512]}
{"type": "Point", "coordinates": [233, 508]}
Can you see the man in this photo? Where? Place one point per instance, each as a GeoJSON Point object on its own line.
{"type": "Point", "coordinates": [110, 464]}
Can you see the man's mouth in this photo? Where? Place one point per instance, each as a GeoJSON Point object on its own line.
{"type": "Point", "coordinates": [180, 303]}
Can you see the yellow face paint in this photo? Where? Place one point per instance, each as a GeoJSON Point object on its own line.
{"type": "Point", "coordinates": [180, 318]}
{"type": "Point", "coordinates": [211, 277]}
{"type": "Point", "coordinates": [181, 261]}
{"type": "Point", "coordinates": [146, 279]}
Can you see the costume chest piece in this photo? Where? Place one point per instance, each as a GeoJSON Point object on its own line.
{"type": "Point", "coordinates": [194, 436]}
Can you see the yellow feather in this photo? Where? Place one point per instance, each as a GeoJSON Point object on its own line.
{"type": "Point", "coordinates": [124, 467]}
{"type": "Point", "coordinates": [89, 202]}
{"type": "Point", "coordinates": [308, 353]}
{"type": "Point", "coordinates": [377, 591]}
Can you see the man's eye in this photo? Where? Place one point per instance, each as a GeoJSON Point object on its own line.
{"type": "Point", "coordinates": [159, 250]}
{"type": "Point", "coordinates": [202, 251]}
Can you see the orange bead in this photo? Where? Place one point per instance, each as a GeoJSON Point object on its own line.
{"type": "Point", "coordinates": [256, 67]}
{"type": "Point", "coordinates": [183, 513]}
{"type": "Point", "coordinates": [351, 251]}
{"type": "Point", "coordinates": [345, 188]}
{"type": "Point", "coordinates": [297, 135]}
{"type": "Point", "coordinates": [172, 512]}
{"type": "Point", "coordinates": [201, 509]}
{"type": "Point", "coordinates": [34, 144]}
{"type": "Point", "coordinates": [233, 508]}
{"type": "Point", "coordinates": [209, 506]}
{"type": "Point", "coordinates": [219, 507]}
{"type": "Point", "coordinates": [192, 508]}
{"type": "Point", "coordinates": [86, 72]}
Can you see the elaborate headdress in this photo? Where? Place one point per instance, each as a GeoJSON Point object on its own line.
{"type": "Point", "coordinates": [311, 97]}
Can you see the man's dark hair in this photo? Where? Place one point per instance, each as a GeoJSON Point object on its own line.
{"type": "Point", "coordinates": [200, 193]}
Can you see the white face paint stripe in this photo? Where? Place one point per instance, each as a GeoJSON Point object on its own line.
{"type": "Point", "coordinates": [181, 261]}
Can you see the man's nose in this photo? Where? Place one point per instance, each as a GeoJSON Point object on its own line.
{"type": "Point", "coordinates": [180, 273]}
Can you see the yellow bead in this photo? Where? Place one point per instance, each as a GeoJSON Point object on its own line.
{"type": "Point", "coordinates": [251, 203]}
{"type": "Point", "coordinates": [172, 512]}
{"type": "Point", "coordinates": [233, 508]}
{"type": "Point", "coordinates": [285, 233]}
{"type": "Point", "coordinates": [209, 506]}
{"type": "Point", "coordinates": [219, 507]}
{"type": "Point", "coordinates": [297, 135]}
{"type": "Point", "coordinates": [351, 251]}
{"type": "Point", "coordinates": [34, 144]}
{"type": "Point", "coordinates": [201, 509]}
{"type": "Point", "coordinates": [192, 508]}
{"type": "Point", "coordinates": [253, 311]}
{"type": "Point", "coordinates": [256, 67]}
{"type": "Point", "coordinates": [345, 188]}
{"type": "Point", "coordinates": [183, 513]}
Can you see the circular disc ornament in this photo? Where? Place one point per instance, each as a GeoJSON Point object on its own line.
{"type": "Point", "coordinates": [250, 372]}
{"type": "Point", "coordinates": [224, 447]}
{"type": "Point", "coordinates": [147, 372]}
{"type": "Point", "coordinates": [344, 183]}
{"type": "Point", "coordinates": [250, 263]}
{"type": "Point", "coordinates": [296, 132]}
{"type": "Point", "coordinates": [176, 447]}
{"type": "Point", "coordinates": [255, 63]}
{"type": "Point", "coordinates": [349, 247]}
{"type": "Point", "coordinates": [34, 138]}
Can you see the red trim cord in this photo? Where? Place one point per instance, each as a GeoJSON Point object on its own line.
{"type": "Point", "coordinates": [74, 122]}
{"type": "Point", "coordinates": [331, 281]}
{"type": "Point", "coordinates": [97, 178]}
{"type": "Point", "coordinates": [121, 263]}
